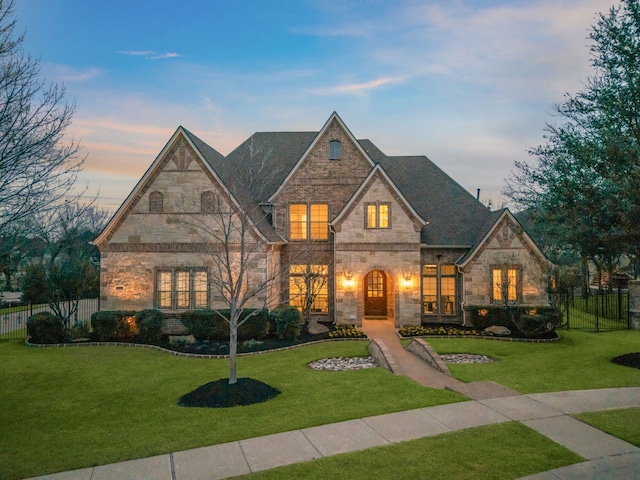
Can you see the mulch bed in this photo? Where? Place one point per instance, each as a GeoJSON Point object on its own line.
{"type": "Point", "coordinates": [628, 360]}
{"type": "Point", "coordinates": [220, 394]}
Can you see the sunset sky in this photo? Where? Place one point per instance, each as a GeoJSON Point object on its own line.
{"type": "Point", "coordinates": [470, 84]}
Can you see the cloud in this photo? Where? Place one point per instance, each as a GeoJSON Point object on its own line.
{"type": "Point", "coordinates": [149, 54]}
{"type": "Point", "coordinates": [357, 88]}
{"type": "Point", "coordinates": [65, 73]}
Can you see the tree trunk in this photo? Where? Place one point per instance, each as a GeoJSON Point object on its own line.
{"type": "Point", "coordinates": [233, 350]}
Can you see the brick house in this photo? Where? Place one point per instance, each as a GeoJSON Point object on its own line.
{"type": "Point", "coordinates": [395, 238]}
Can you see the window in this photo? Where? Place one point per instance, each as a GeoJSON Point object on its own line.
{"type": "Point", "coordinates": [208, 202]}
{"type": "Point", "coordinates": [378, 215]}
{"type": "Point", "coordinates": [308, 286]}
{"type": "Point", "coordinates": [308, 221]}
{"type": "Point", "coordinates": [505, 283]}
{"type": "Point", "coordinates": [439, 289]}
{"type": "Point", "coordinates": [155, 202]}
{"type": "Point", "coordinates": [181, 289]}
{"type": "Point", "coordinates": [335, 150]}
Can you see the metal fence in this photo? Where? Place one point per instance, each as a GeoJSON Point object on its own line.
{"type": "Point", "coordinates": [599, 311]}
{"type": "Point", "coordinates": [13, 320]}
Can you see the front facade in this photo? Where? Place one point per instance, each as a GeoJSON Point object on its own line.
{"type": "Point", "coordinates": [336, 224]}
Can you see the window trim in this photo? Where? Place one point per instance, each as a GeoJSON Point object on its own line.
{"type": "Point", "coordinates": [438, 276]}
{"type": "Point", "coordinates": [377, 214]}
{"type": "Point", "coordinates": [306, 226]}
{"type": "Point", "coordinates": [303, 274]}
{"type": "Point", "coordinates": [335, 150]}
{"type": "Point", "coordinates": [191, 292]}
{"type": "Point", "coordinates": [504, 272]}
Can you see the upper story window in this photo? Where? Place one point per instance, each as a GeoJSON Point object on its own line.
{"type": "Point", "coordinates": [208, 202]}
{"type": "Point", "coordinates": [155, 202]}
{"type": "Point", "coordinates": [377, 215]}
{"type": "Point", "coordinates": [505, 284]}
{"type": "Point", "coordinates": [335, 150]}
{"type": "Point", "coordinates": [308, 221]}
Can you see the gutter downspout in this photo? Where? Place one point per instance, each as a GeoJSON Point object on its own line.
{"type": "Point", "coordinates": [335, 273]}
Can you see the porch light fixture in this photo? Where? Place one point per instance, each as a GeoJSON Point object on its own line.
{"type": "Point", "coordinates": [407, 280]}
{"type": "Point", "coordinates": [348, 281]}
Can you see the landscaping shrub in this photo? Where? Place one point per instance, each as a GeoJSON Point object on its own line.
{"type": "Point", "coordinates": [441, 330]}
{"type": "Point", "coordinates": [346, 331]}
{"type": "Point", "coordinates": [149, 324]}
{"type": "Point", "coordinates": [288, 322]}
{"type": "Point", "coordinates": [44, 327]}
{"type": "Point", "coordinates": [208, 324]}
{"type": "Point", "coordinates": [203, 324]}
{"type": "Point", "coordinates": [113, 325]}
{"type": "Point", "coordinates": [486, 316]}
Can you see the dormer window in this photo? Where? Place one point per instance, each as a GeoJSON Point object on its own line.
{"type": "Point", "coordinates": [335, 150]}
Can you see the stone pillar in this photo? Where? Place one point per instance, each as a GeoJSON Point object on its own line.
{"type": "Point", "coordinates": [634, 304]}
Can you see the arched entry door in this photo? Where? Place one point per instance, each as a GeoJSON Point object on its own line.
{"type": "Point", "coordinates": [375, 294]}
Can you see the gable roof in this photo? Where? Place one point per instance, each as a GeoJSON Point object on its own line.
{"type": "Point", "coordinates": [502, 215]}
{"type": "Point", "coordinates": [378, 172]}
{"type": "Point", "coordinates": [333, 118]}
{"type": "Point", "coordinates": [212, 160]}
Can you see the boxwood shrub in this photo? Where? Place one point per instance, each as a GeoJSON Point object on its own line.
{"type": "Point", "coordinates": [113, 325]}
{"type": "Point", "coordinates": [44, 327]}
{"type": "Point", "coordinates": [149, 324]}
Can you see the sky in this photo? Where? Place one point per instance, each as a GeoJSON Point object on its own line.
{"type": "Point", "coordinates": [471, 84]}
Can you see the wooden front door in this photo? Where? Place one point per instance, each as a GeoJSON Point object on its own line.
{"type": "Point", "coordinates": [375, 295]}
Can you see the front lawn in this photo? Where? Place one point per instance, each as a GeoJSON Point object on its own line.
{"type": "Point", "coordinates": [67, 408]}
{"type": "Point", "coordinates": [577, 361]}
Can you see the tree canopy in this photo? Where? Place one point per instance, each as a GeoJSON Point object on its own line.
{"type": "Point", "coordinates": [583, 189]}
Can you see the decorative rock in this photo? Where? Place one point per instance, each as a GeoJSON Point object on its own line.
{"type": "Point", "coordinates": [465, 358]}
{"type": "Point", "coordinates": [315, 328]}
{"type": "Point", "coordinates": [497, 330]}
{"type": "Point", "coordinates": [343, 363]}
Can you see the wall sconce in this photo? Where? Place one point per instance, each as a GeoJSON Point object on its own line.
{"type": "Point", "coordinates": [348, 281]}
{"type": "Point", "coordinates": [407, 280]}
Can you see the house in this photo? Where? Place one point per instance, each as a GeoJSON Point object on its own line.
{"type": "Point", "coordinates": [393, 237]}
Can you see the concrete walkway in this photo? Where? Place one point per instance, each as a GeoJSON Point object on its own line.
{"type": "Point", "coordinates": [606, 457]}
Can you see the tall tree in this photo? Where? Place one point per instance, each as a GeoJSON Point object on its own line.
{"type": "Point", "coordinates": [38, 166]}
{"type": "Point", "coordinates": [585, 184]}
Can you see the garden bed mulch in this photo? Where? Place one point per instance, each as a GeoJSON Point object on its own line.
{"type": "Point", "coordinates": [628, 360]}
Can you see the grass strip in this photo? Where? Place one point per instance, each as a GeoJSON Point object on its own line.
{"type": "Point", "coordinates": [622, 423]}
{"type": "Point", "coordinates": [502, 451]}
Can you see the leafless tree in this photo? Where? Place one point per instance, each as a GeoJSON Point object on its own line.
{"type": "Point", "coordinates": [38, 166]}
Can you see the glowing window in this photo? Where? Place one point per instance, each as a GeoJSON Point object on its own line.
{"type": "Point", "coordinates": [378, 215]}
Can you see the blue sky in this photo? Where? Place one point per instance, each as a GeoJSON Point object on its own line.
{"type": "Point", "coordinates": [470, 84]}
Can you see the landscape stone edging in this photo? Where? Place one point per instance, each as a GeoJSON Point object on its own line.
{"type": "Point", "coordinates": [382, 356]}
{"type": "Point", "coordinates": [178, 354]}
{"type": "Point", "coordinates": [423, 350]}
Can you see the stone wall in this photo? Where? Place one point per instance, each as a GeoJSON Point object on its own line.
{"type": "Point", "coordinates": [634, 304]}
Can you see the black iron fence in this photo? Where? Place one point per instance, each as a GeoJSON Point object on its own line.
{"type": "Point", "coordinates": [599, 311]}
{"type": "Point", "coordinates": [13, 319]}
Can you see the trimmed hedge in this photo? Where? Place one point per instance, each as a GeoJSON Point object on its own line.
{"type": "Point", "coordinates": [112, 325]}
{"type": "Point", "coordinates": [524, 321]}
{"type": "Point", "coordinates": [44, 327]}
{"type": "Point", "coordinates": [149, 324]}
{"type": "Point", "coordinates": [208, 324]}
{"type": "Point", "coordinates": [288, 322]}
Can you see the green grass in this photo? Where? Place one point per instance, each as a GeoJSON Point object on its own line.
{"type": "Point", "coordinates": [67, 408]}
{"type": "Point", "coordinates": [578, 361]}
{"type": "Point", "coordinates": [502, 451]}
{"type": "Point", "coordinates": [619, 423]}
